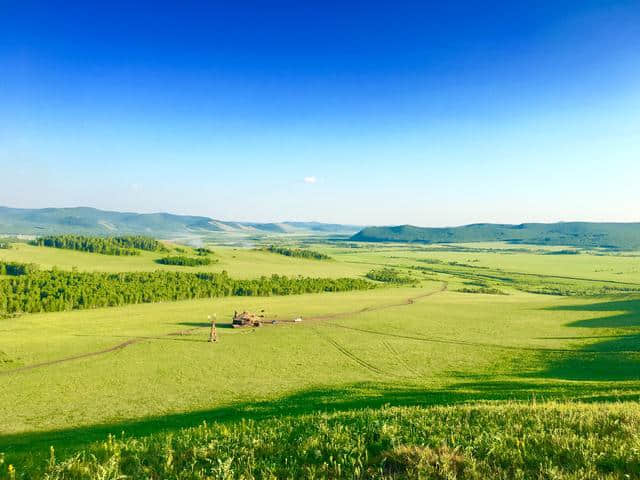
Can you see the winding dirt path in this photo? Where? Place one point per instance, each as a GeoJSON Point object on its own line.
{"type": "Point", "coordinates": [115, 348]}
{"type": "Point", "coordinates": [132, 341]}
{"type": "Point", "coordinates": [408, 301]}
{"type": "Point", "coordinates": [334, 316]}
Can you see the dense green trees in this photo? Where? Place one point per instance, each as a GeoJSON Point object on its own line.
{"type": "Point", "coordinates": [389, 275]}
{"type": "Point", "coordinates": [124, 245]}
{"type": "Point", "coordinates": [297, 252]}
{"type": "Point", "coordinates": [184, 261]}
{"type": "Point", "coordinates": [54, 290]}
{"type": "Point", "coordinates": [15, 268]}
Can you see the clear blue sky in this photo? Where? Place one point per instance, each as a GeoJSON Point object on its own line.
{"type": "Point", "coordinates": [433, 113]}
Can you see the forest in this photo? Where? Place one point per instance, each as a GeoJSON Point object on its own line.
{"type": "Point", "coordinates": [56, 290]}
{"type": "Point", "coordinates": [123, 245]}
{"type": "Point", "coordinates": [297, 252]}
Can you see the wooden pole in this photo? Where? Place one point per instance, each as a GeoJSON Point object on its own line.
{"type": "Point", "coordinates": [213, 334]}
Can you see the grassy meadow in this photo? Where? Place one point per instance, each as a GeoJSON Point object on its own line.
{"type": "Point", "coordinates": [395, 382]}
{"type": "Point", "coordinates": [238, 262]}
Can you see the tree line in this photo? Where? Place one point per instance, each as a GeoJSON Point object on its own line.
{"type": "Point", "coordinates": [55, 290]}
{"type": "Point", "coordinates": [184, 261]}
{"type": "Point", "coordinates": [297, 252]}
{"type": "Point", "coordinates": [122, 245]}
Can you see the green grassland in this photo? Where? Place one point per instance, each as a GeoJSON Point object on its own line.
{"type": "Point", "coordinates": [148, 369]}
{"type": "Point", "coordinates": [239, 262]}
{"type": "Point", "coordinates": [536, 260]}
{"type": "Point", "coordinates": [506, 441]}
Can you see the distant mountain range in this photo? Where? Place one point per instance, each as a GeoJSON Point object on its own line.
{"type": "Point", "coordinates": [625, 236]}
{"type": "Point", "coordinates": [91, 221]}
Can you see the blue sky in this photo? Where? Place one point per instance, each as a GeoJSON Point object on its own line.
{"type": "Point", "coordinates": [368, 113]}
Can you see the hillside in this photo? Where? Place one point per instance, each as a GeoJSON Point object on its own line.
{"type": "Point", "coordinates": [480, 329]}
{"type": "Point", "coordinates": [625, 236]}
{"type": "Point", "coordinates": [91, 221]}
{"type": "Point", "coordinates": [564, 441]}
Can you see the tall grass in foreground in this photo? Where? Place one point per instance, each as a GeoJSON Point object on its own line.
{"type": "Point", "coordinates": [505, 441]}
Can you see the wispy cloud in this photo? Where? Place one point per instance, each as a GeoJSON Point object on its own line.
{"type": "Point", "coordinates": [310, 180]}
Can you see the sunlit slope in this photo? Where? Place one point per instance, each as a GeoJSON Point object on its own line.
{"type": "Point", "coordinates": [607, 267]}
{"type": "Point", "coordinates": [444, 347]}
{"type": "Point", "coordinates": [563, 441]}
{"type": "Point", "coordinates": [238, 262]}
{"type": "Point", "coordinates": [73, 377]}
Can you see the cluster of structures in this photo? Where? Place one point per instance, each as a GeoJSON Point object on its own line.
{"type": "Point", "coordinates": [246, 319]}
{"type": "Point", "coordinates": [242, 320]}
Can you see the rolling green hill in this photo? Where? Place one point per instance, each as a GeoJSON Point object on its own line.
{"type": "Point", "coordinates": [386, 383]}
{"type": "Point", "coordinates": [624, 236]}
{"type": "Point", "coordinates": [91, 221]}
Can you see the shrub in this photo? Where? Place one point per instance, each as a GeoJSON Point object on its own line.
{"type": "Point", "coordinates": [484, 290]}
{"type": "Point", "coordinates": [184, 261]}
{"type": "Point", "coordinates": [389, 275]}
{"type": "Point", "coordinates": [15, 268]}
{"type": "Point", "coordinates": [297, 252]}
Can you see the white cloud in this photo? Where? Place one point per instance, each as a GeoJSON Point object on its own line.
{"type": "Point", "coordinates": [310, 180]}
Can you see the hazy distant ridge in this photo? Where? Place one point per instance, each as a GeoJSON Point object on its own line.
{"type": "Point", "coordinates": [91, 221]}
{"type": "Point", "coordinates": [579, 234]}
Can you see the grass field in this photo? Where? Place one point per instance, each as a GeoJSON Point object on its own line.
{"type": "Point", "coordinates": [503, 441]}
{"type": "Point", "coordinates": [148, 369]}
{"type": "Point", "coordinates": [239, 262]}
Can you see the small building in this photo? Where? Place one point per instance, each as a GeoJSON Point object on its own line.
{"type": "Point", "coordinates": [246, 319]}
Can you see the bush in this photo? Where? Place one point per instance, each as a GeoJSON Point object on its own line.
{"type": "Point", "coordinates": [184, 261]}
{"type": "Point", "coordinates": [297, 252]}
{"type": "Point", "coordinates": [484, 290]}
{"type": "Point", "coordinates": [15, 268]}
{"type": "Point", "coordinates": [389, 275]}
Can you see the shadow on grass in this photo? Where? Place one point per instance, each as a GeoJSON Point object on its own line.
{"type": "Point", "coordinates": [34, 447]}
{"type": "Point", "coordinates": [615, 358]}
{"type": "Point", "coordinates": [206, 324]}
{"type": "Point", "coordinates": [608, 370]}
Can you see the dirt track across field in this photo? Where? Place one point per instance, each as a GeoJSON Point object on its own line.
{"type": "Point", "coordinates": [408, 301]}
{"type": "Point", "coordinates": [117, 347]}
{"type": "Point", "coordinates": [334, 316]}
